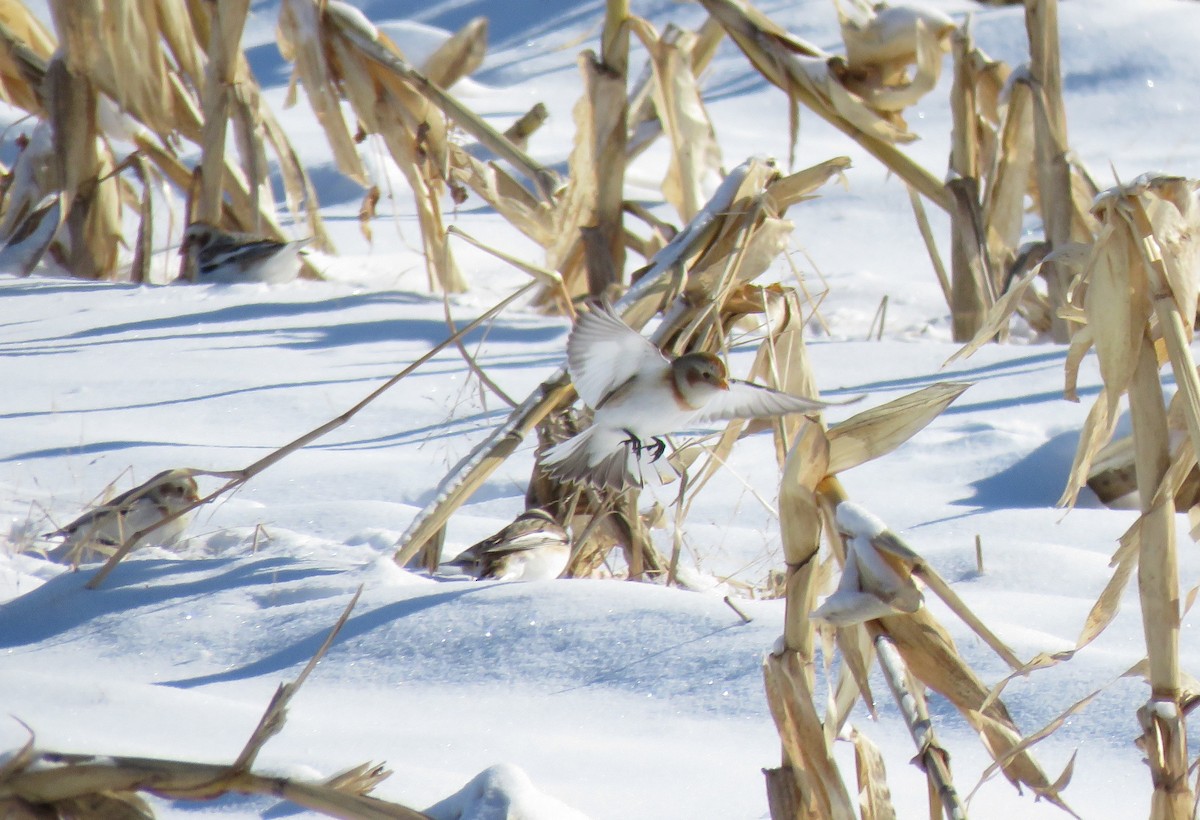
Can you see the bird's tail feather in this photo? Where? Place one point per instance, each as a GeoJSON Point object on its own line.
{"type": "Point", "coordinates": [569, 461]}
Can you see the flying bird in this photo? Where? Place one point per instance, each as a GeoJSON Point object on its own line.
{"type": "Point", "coordinates": [100, 531]}
{"type": "Point", "coordinates": [639, 396]}
{"type": "Point", "coordinates": [223, 256]}
{"type": "Point", "coordinates": [534, 547]}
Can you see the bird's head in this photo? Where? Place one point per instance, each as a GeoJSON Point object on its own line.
{"type": "Point", "coordinates": [176, 489]}
{"type": "Point", "coordinates": [197, 235]}
{"type": "Point", "coordinates": [699, 376]}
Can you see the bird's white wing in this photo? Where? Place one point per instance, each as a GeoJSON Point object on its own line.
{"type": "Point", "coordinates": [603, 353]}
{"type": "Point", "coordinates": [744, 400]}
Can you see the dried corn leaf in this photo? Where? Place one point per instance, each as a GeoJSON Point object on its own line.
{"type": "Point", "coordinates": [25, 46]}
{"type": "Point", "coordinates": [858, 653]}
{"type": "Point", "coordinates": [996, 320]}
{"type": "Point", "coordinates": [1081, 343]}
{"type": "Point", "coordinates": [1097, 431]}
{"type": "Point", "coordinates": [578, 205]}
{"type": "Point", "coordinates": [1009, 753]}
{"type": "Point", "coordinates": [875, 432]}
{"type": "Point", "coordinates": [459, 55]}
{"type": "Point", "coordinates": [714, 276]}
{"type": "Point", "coordinates": [528, 214]}
{"type": "Point", "coordinates": [782, 360]}
{"type": "Point", "coordinates": [891, 38]}
{"type": "Point", "coordinates": [932, 657]}
{"type": "Point", "coordinates": [1109, 603]}
{"type": "Point", "coordinates": [875, 581]}
{"type": "Point", "coordinates": [874, 796]}
{"type": "Point", "coordinates": [887, 38]}
{"type": "Point", "coordinates": [300, 41]}
{"type": "Point", "coordinates": [220, 77]}
{"type": "Point", "coordinates": [803, 72]}
{"type": "Point", "coordinates": [31, 237]}
{"type": "Point", "coordinates": [117, 44]}
{"type": "Point", "coordinates": [1118, 302]}
{"type": "Point", "coordinates": [1163, 217]}
{"type": "Point", "coordinates": [695, 155]}
{"type": "Point", "coordinates": [413, 130]}
{"type": "Point", "coordinates": [793, 188]}
{"type": "Point", "coordinates": [1008, 178]}
{"type": "Point", "coordinates": [800, 528]}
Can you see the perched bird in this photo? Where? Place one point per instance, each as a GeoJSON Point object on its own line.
{"type": "Point", "coordinates": [534, 547]}
{"type": "Point", "coordinates": [215, 255]}
{"type": "Point", "coordinates": [639, 396]}
{"type": "Point", "coordinates": [100, 531]}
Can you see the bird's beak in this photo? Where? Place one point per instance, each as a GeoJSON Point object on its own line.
{"type": "Point", "coordinates": [721, 383]}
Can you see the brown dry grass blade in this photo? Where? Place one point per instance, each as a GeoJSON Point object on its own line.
{"type": "Point", "coordinates": [72, 781]}
{"type": "Point", "coordinates": [275, 716]}
{"type": "Point", "coordinates": [876, 432]}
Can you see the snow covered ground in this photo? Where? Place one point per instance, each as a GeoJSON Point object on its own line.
{"type": "Point", "coordinates": [619, 700]}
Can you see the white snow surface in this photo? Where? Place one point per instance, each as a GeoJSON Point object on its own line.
{"type": "Point", "coordinates": [573, 697]}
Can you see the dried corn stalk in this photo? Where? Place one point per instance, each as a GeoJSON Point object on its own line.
{"type": "Point", "coordinates": [1141, 285]}
{"type": "Point", "coordinates": [877, 588]}
{"type": "Point", "coordinates": [126, 72]}
{"type": "Point", "coordinates": [1061, 212]}
{"type": "Point", "coordinates": [360, 62]}
{"type": "Point", "coordinates": [843, 98]}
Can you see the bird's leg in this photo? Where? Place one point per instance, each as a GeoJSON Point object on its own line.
{"type": "Point", "coordinates": [635, 443]}
{"type": "Point", "coordinates": [657, 447]}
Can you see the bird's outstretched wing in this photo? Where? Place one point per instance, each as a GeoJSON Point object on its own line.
{"type": "Point", "coordinates": [744, 400]}
{"type": "Point", "coordinates": [604, 353]}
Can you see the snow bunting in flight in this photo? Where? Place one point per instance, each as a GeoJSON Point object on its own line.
{"type": "Point", "coordinates": [534, 547]}
{"type": "Point", "coordinates": [100, 531]}
{"type": "Point", "coordinates": [639, 396]}
{"type": "Point", "coordinates": [221, 256]}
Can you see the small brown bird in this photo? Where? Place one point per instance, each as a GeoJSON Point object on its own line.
{"type": "Point", "coordinates": [223, 256]}
{"type": "Point", "coordinates": [534, 547]}
{"type": "Point", "coordinates": [100, 531]}
{"type": "Point", "coordinates": [639, 396]}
